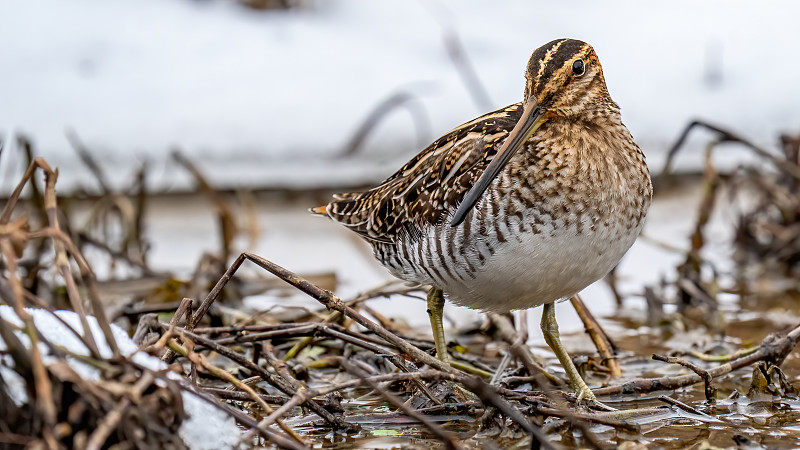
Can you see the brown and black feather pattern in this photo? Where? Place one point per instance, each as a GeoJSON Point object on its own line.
{"type": "Point", "coordinates": [430, 186]}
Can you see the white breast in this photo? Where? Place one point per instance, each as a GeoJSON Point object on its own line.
{"type": "Point", "coordinates": [533, 269]}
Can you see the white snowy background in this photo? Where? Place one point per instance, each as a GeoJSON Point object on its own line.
{"type": "Point", "coordinates": [266, 98]}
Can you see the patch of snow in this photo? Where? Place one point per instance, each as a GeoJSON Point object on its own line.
{"type": "Point", "coordinates": [205, 427]}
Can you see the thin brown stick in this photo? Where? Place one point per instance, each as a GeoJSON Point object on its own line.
{"type": "Point", "coordinates": [717, 358]}
{"type": "Point", "coordinates": [685, 407]}
{"type": "Point", "coordinates": [325, 297]}
{"type": "Point", "coordinates": [724, 135]}
{"type": "Point", "coordinates": [489, 396]}
{"type": "Point", "coordinates": [299, 398]}
{"type": "Point", "coordinates": [63, 266]}
{"type": "Point", "coordinates": [773, 348]}
{"type": "Point", "coordinates": [710, 390]}
{"type": "Point", "coordinates": [227, 394]}
{"type": "Point", "coordinates": [270, 435]}
{"type": "Point", "coordinates": [42, 387]}
{"type": "Point", "coordinates": [84, 238]}
{"type": "Point", "coordinates": [200, 361]}
{"type": "Point", "coordinates": [11, 203]}
{"type": "Point", "coordinates": [449, 439]}
{"type": "Point", "coordinates": [611, 280]}
{"type": "Point", "coordinates": [88, 277]}
{"type": "Point", "coordinates": [598, 336]}
{"type": "Point", "coordinates": [269, 377]}
{"type": "Point", "coordinates": [518, 347]}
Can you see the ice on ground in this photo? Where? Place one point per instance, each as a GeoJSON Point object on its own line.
{"type": "Point", "coordinates": [206, 427]}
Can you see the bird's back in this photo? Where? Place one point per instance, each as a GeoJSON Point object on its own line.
{"type": "Point", "coordinates": [429, 187]}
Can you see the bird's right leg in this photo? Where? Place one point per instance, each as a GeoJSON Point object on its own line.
{"type": "Point", "coordinates": [553, 339]}
{"type": "Point", "coordinates": [435, 313]}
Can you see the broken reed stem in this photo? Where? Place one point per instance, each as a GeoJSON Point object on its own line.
{"type": "Point", "coordinates": [223, 375]}
{"type": "Point", "coordinates": [343, 335]}
{"type": "Point", "coordinates": [724, 136]}
{"type": "Point", "coordinates": [89, 281]}
{"type": "Point", "coordinates": [43, 389]}
{"type": "Point", "coordinates": [710, 391]}
{"type": "Point", "coordinates": [271, 435]}
{"type": "Point", "coordinates": [54, 230]}
{"type": "Point", "coordinates": [711, 182]}
{"type": "Point", "coordinates": [518, 348]}
{"type": "Point", "coordinates": [267, 376]}
{"type": "Point", "coordinates": [773, 348]}
{"type": "Point", "coordinates": [598, 336]}
{"type": "Point", "coordinates": [717, 358]}
{"type": "Point", "coordinates": [329, 300]}
{"type": "Point", "coordinates": [449, 439]}
{"type": "Point", "coordinates": [685, 407]}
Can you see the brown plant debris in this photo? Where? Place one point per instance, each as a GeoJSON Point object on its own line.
{"type": "Point", "coordinates": [343, 374]}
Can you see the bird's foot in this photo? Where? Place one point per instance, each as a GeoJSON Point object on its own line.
{"type": "Point", "coordinates": [583, 393]}
{"type": "Point", "coordinates": [584, 397]}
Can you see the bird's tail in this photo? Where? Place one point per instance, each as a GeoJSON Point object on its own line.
{"type": "Point", "coordinates": [319, 210]}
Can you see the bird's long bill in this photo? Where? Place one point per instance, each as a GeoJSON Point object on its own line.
{"type": "Point", "coordinates": [533, 116]}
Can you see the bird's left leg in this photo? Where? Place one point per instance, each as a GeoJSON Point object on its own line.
{"type": "Point", "coordinates": [435, 313]}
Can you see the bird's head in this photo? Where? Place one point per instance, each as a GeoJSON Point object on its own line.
{"type": "Point", "coordinates": [564, 80]}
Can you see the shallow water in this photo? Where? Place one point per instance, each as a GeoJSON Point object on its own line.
{"type": "Point", "coordinates": [182, 228]}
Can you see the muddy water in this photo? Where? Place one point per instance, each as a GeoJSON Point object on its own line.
{"type": "Point", "coordinates": [737, 416]}
{"type": "Point", "coordinates": [182, 228]}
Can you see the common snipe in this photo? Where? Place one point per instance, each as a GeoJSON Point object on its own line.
{"type": "Point", "coordinates": [518, 208]}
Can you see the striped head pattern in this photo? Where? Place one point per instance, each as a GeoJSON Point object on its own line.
{"type": "Point", "coordinates": [565, 78]}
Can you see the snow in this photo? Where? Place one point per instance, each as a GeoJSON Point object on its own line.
{"type": "Point", "coordinates": [205, 427]}
{"type": "Point", "coordinates": [268, 98]}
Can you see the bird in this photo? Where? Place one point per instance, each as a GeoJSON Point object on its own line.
{"type": "Point", "coordinates": [520, 207]}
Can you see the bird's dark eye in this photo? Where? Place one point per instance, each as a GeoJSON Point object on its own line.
{"type": "Point", "coordinates": [578, 67]}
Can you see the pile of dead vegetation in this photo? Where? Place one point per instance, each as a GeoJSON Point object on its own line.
{"type": "Point", "coordinates": [343, 374]}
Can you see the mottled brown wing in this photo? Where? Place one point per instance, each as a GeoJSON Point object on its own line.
{"type": "Point", "coordinates": [430, 186]}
